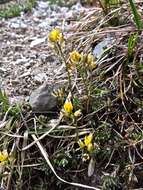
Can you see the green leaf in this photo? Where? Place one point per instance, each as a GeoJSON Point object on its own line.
{"type": "Point", "coordinates": [132, 43]}
{"type": "Point", "coordinates": [137, 17]}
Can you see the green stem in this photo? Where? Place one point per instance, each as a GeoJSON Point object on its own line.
{"type": "Point", "coordinates": [86, 86]}
{"type": "Point", "coordinates": [65, 62]}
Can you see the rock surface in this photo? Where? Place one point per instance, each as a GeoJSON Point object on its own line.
{"type": "Point", "coordinates": [99, 49]}
{"type": "Point", "coordinates": [42, 99]}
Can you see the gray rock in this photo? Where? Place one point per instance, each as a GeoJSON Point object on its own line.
{"type": "Point", "coordinates": [37, 42]}
{"type": "Point", "coordinates": [42, 99]}
{"type": "Point", "coordinates": [25, 74]}
{"type": "Point", "coordinates": [21, 61]}
{"type": "Point", "coordinates": [77, 7]}
{"type": "Point", "coordinates": [17, 25]}
{"type": "Point", "coordinates": [44, 24]}
{"type": "Point", "coordinates": [43, 5]}
{"type": "Point", "coordinates": [40, 77]}
{"type": "Point", "coordinates": [2, 70]}
{"type": "Point", "coordinates": [101, 47]}
{"type": "Point", "coordinates": [54, 22]}
{"type": "Point", "coordinates": [38, 14]}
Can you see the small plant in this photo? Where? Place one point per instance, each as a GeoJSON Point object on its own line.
{"type": "Point", "coordinates": [12, 11]}
{"type": "Point", "coordinates": [29, 5]}
{"type": "Point", "coordinates": [15, 9]}
{"type": "Point", "coordinates": [110, 183]}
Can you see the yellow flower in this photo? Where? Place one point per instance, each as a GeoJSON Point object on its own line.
{"type": "Point", "coordinates": [3, 156]}
{"type": "Point", "coordinates": [91, 61]}
{"type": "Point", "coordinates": [92, 65]}
{"type": "Point", "coordinates": [75, 56]}
{"type": "Point", "coordinates": [77, 113]}
{"type": "Point", "coordinates": [88, 139]}
{"type": "Point", "coordinates": [68, 107]}
{"type": "Point", "coordinates": [90, 147]}
{"type": "Point", "coordinates": [87, 143]}
{"type": "Point", "coordinates": [81, 144]}
{"type": "Point", "coordinates": [56, 36]}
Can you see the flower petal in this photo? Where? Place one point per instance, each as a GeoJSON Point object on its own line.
{"type": "Point", "coordinates": [88, 139]}
{"type": "Point", "coordinates": [81, 144]}
{"type": "Point", "coordinates": [68, 107]}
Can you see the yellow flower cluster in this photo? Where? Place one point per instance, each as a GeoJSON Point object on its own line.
{"type": "Point", "coordinates": [56, 36]}
{"type": "Point", "coordinates": [90, 60]}
{"type": "Point", "coordinates": [68, 109]}
{"type": "Point", "coordinates": [4, 157]}
{"type": "Point", "coordinates": [87, 142]}
{"type": "Point", "coordinates": [76, 57]}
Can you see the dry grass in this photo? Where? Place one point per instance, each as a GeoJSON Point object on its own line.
{"type": "Point", "coordinates": [43, 149]}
